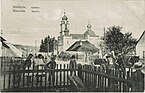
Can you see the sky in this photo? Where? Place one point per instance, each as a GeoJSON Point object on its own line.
{"type": "Point", "coordinates": [28, 27]}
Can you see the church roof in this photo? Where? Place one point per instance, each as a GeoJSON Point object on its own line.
{"type": "Point", "coordinates": [90, 32]}
{"type": "Point", "coordinates": [66, 30]}
{"type": "Point", "coordinates": [83, 46]}
{"type": "Point", "coordinates": [64, 17]}
{"type": "Point", "coordinates": [77, 36]}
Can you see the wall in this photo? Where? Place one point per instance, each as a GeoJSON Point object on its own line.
{"type": "Point", "coordinates": [139, 50]}
{"type": "Point", "coordinates": [140, 47]}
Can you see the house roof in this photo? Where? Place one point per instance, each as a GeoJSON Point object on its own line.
{"type": "Point", "coordinates": [2, 39]}
{"type": "Point", "coordinates": [77, 36]}
{"type": "Point", "coordinates": [83, 46]}
{"type": "Point", "coordinates": [5, 45]}
{"type": "Point", "coordinates": [25, 47]}
{"type": "Point", "coordinates": [142, 38]}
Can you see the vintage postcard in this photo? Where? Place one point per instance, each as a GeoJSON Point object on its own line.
{"type": "Point", "coordinates": [72, 46]}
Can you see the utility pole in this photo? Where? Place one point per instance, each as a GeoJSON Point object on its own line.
{"type": "Point", "coordinates": [1, 42]}
{"type": "Point", "coordinates": [103, 47]}
{"type": "Point", "coordinates": [35, 46]}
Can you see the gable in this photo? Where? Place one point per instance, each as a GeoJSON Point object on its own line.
{"type": "Point", "coordinates": [141, 40]}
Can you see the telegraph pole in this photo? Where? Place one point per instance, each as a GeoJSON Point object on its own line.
{"type": "Point", "coordinates": [103, 52]}
{"type": "Point", "coordinates": [35, 46]}
{"type": "Point", "coordinates": [1, 42]}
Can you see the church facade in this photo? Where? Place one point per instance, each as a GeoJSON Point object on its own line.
{"type": "Point", "coordinates": [66, 39]}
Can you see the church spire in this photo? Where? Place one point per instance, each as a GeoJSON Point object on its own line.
{"type": "Point", "coordinates": [64, 25]}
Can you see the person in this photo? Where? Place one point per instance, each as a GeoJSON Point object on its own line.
{"type": "Point", "coordinates": [51, 65]}
{"type": "Point", "coordinates": [39, 65]}
{"type": "Point", "coordinates": [120, 62]}
{"type": "Point", "coordinates": [27, 66]}
{"type": "Point", "coordinates": [72, 64]}
{"type": "Point", "coordinates": [109, 58]}
{"type": "Point", "coordinates": [139, 66]}
{"type": "Point", "coordinates": [28, 62]}
{"type": "Point", "coordinates": [39, 62]}
{"type": "Point", "coordinates": [138, 75]}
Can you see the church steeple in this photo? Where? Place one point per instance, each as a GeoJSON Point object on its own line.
{"type": "Point", "coordinates": [64, 26]}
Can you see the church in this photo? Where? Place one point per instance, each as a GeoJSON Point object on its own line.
{"type": "Point", "coordinates": [66, 39]}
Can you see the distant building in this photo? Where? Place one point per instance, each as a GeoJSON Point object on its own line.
{"type": "Point", "coordinates": [140, 47]}
{"type": "Point", "coordinates": [65, 40]}
{"type": "Point", "coordinates": [26, 50]}
{"type": "Point", "coordinates": [83, 50]}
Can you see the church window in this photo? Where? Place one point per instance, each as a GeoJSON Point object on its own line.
{"type": "Point", "coordinates": [67, 42]}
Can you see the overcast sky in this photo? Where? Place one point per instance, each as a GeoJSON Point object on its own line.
{"type": "Point", "coordinates": [24, 28]}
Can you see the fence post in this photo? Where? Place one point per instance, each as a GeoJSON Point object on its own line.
{"type": "Point", "coordinates": [79, 71]}
{"type": "Point", "coordinates": [138, 76]}
{"type": "Point", "coordinates": [141, 81]}
{"type": "Point", "coordinates": [111, 82]}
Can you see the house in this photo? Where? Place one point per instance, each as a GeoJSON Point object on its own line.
{"type": "Point", "coordinates": [66, 39]}
{"type": "Point", "coordinates": [8, 49]}
{"type": "Point", "coordinates": [82, 50]}
{"type": "Point", "coordinates": [140, 47]}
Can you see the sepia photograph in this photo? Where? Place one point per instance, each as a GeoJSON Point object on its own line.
{"type": "Point", "coordinates": [72, 46]}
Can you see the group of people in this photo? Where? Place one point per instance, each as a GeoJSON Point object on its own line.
{"type": "Point", "coordinates": [114, 61]}
{"type": "Point", "coordinates": [118, 61]}
{"type": "Point", "coordinates": [41, 62]}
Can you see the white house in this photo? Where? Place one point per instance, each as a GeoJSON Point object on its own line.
{"type": "Point", "coordinates": [140, 47]}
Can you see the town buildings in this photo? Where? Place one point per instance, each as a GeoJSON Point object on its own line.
{"type": "Point", "coordinates": [66, 39]}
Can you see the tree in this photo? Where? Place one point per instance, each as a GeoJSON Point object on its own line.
{"type": "Point", "coordinates": [42, 46]}
{"type": "Point", "coordinates": [115, 40]}
{"type": "Point", "coordinates": [48, 44]}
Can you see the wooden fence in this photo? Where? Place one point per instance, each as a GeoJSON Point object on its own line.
{"type": "Point", "coordinates": [95, 79]}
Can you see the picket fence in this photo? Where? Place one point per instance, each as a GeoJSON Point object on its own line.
{"type": "Point", "coordinates": [95, 79]}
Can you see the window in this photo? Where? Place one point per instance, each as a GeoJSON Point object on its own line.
{"type": "Point", "coordinates": [143, 54]}
{"type": "Point", "coordinates": [67, 42]}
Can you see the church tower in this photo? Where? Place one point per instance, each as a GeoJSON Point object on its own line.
{"type": "Point", "coordinates": [64, 26]}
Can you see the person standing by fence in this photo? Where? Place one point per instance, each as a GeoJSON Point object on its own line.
{"type": "Point", "coordinates": [28, 62]}
{"type": "Point", "coordinates": [139, 76]}
{"type": "Point", "coordinates": [51, 65]}
{"type": "Point", "coordinates": [72, 65]}
{"type": "Point", "coordinates": [40, 62]}
{"type": "Point", "coordinates": [120, 62]}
